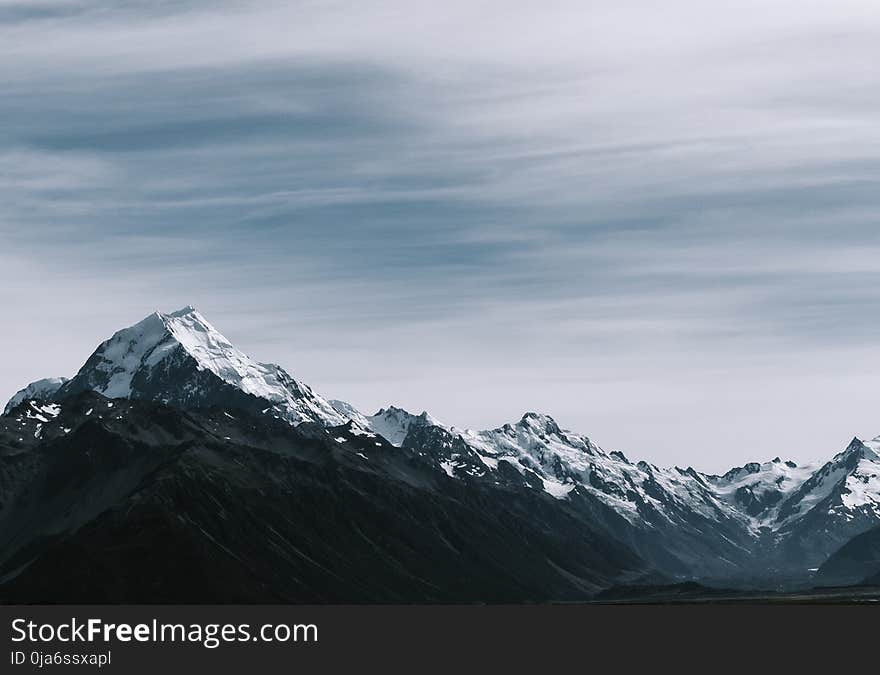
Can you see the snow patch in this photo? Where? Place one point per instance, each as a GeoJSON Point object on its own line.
{"type": "Point", "coordinates": [449, 468]}
{"type": "Point", "coordinates": [393, 424]}
{"type": "Point", "coordinates": [39, 390]}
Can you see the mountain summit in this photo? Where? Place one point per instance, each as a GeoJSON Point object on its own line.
{"type": "Point", "coordinates": [180, 359]}
{"type": "Point", "coordinates": [39, 390]}
{"type": "Point", "coordinates": [775, 519]}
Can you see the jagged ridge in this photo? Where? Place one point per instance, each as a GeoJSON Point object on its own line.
{"type": "Point", "coordinates": [181, 359]}
{"type": "Point", "coordinates": [775, 513]}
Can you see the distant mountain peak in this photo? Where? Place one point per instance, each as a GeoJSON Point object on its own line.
{"type": "Point", "coordinates": [188, 310]}
{"type": "Point", "coordinates": [539, 422]}
{"type": "Point", "coordinates": [856, 450]}
{"type": "Point", "coordinates": [394, 423]}
{"type": "Point", "coordinates": [40, 390]}
{"type": "Point", "coordinates": [181, 359]}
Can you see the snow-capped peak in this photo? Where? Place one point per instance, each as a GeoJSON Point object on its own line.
{"type": "Point", "coordinates": [189, 310]}
{"type": "Point", "coordinates": [39, 390]}
{"type": "Point", "coordinates": [759, 489]}
{"type": "Point", "coordinates": [170, 358]}
{"type": "Point", "coordinates": [539, 422]}
{"type": "Point", "coordinates": [214, 352]}
{"type": "Point", "coordinates": [394, 423]}
{"type": "Point", "coordinates": [855, 452]}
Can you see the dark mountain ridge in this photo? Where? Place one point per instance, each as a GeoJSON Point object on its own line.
{"type": "Point", "coordinates": [170, 449]}
{"type": "Point", "coordinates": [132, 501]}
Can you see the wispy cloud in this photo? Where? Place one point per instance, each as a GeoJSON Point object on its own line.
{"type": "Point", "coordinates": [658, 222]}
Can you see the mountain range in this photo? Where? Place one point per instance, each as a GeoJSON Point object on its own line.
{"type": "Point", "coordinates": [173, 468]}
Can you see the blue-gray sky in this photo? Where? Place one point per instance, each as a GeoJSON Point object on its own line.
{"type": "Point", "coordinates": [657, 222]}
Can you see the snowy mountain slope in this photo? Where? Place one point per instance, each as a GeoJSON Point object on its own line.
{"type": "Point", "coordinates": [773, 515]}
{"type": "Point", "coordinates": [850, 481]}
{"type": "Point", "coordinates": [391, 423]}
{"type": "Point", "coordinates": [348, 411]}
{"type": "Point", "coordinates": [766, 495]}
{"type": "Point", "coordinates": [134, 501]}
{"type": "Point", "coordinates": [182, 360]}
{"type": "Point", "coordinates": [565, 460]}
{"type": "Point", "coordinates": [562, 461]}
{"type": "Point", "coordinates": [669, 516]}
{"type": "Point", "coordinates": [837, 502]}
{"type": "Point", "coordinates": [395, 423]}
{"type": "Point", "coordinates": [42, 390]}
{"type": "Point", "coordinates": [758, 489]}
{"type": "Point", "coordinates": [783, 509]}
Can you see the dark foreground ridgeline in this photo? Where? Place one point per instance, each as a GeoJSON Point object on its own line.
{"type": "Point", "coordinates": [112, 501]}
{"type": "Point", "coordinates": [130, 501]}
{"type": "Point", "coordinates": [173, 468]}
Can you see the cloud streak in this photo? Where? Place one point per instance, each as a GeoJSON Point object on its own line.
{"type": "Point", "coordinates": [658, 224]}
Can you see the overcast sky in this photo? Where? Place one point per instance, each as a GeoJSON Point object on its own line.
{"type": "Point", "coordinates": [657, 222]}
